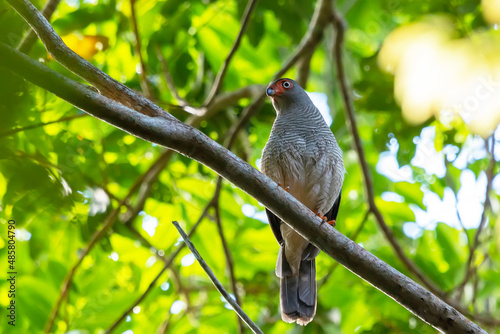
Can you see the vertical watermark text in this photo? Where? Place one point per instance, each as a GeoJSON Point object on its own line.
{"type": "Point", "coordinates": [11, 272]}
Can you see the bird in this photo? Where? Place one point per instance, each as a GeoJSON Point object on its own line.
{"type": "Point", "coordinates": [302, 156]}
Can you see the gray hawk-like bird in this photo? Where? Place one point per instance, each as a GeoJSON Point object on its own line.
{"type": "Point", "coordinates": [301, 155]}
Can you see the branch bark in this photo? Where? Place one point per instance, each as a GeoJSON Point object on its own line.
{"type": "Point", "coordinates": [29, 38]}
{"type": "Point", "coordinates": [192, 143]}
{"type": "Point", "coordinates": [353, 237]}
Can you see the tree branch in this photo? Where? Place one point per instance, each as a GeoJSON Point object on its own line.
{"type": "Point", "coordinates": [165, 324]}
{"type": "Point", "coordinates": [353, 237]}
{"type": "Point", "coordinates": [219, 79]}
{"type": "Point", "coordinates": [168, 78]}
{"type": "Point", "coordinates": [370, 194]}
{"type": "Point", "coordinates": [216, 282]}
{"type": "Point", "coordinates": [225, 99]}
{"type": "Point", "coordinates": [194, 144]}
{"type": "Point", "coordinates": [229, 259]}
{"type": "Point", "coordinates": [29, 38]}
{"type": "Point", "coordinates": [304, 68]}
{"type": "Point", "coordinates": [144, 80]}
{"type": "Point", "coordinates": [340, 28]}
{"type": "Point", "coordinates": [163, 258]}
{"type": "Point", "coordinates": [106, 85]}
{"type": "Point", "coordinates": [490, 174]}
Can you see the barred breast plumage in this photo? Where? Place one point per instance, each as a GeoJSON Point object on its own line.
{"type": "Point", "coordinates": [302, 154]}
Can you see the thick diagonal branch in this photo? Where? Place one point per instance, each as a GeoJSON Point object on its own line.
{"type": "Point", "coordinates": [63, 54]}
{"type": "Point", "coordinates": [195, 145]}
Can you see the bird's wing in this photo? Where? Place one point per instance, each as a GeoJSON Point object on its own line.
{"type": "Point", "coordinates": [325, 171]}
{"type": "Point", "coordinates": [275, 223]}
{"type": "Point", "coordinates": [332, 214]}
{"type": "Point", "coordinates": [312, 251]}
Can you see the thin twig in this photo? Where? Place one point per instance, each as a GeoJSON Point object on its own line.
{"type": "Point", "coordinates": [304, 68]}
{"type": "Point", "coordinates": [449, 182]}
{"type": "Point", "coordinates": [38, 125]}
{"type": "Point", "coordinates": [167, 263]}
{"type": "Point", "coordinates": [147, 177]}
{"type": "Point", "coordinates": [216, 282]}
{"type": "Point", "coordinates": [29, 38]}
{"type": "Point", "coordinates": [163, 258]}
{"type": "Point", "coordinates": [339, 25]}
{"type": "Point", "coordinates": [222, 71]}
{"type": "Point", "coordinates": [144, 80]}
{"type": "Point", "coordinates": [165, 324]}
{"type": "Point", "coordinates": [229, 259]}
{"type": "Point", "coordinates": [168, 78]}
{"type": "Point", "coordinates": [490, 174]}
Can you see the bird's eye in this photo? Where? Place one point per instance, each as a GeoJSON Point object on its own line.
{"type": "Point", "coordinates": [286, 84]}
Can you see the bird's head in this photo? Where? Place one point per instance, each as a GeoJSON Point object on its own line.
{"type": "Point", "coordinates": [285, 93]}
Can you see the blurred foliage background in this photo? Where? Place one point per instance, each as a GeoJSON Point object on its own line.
{"type": "Point", "coordinates": [426, 82]}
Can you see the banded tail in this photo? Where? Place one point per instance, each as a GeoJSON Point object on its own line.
{"type": "Point", "coordinates": [297, 292]}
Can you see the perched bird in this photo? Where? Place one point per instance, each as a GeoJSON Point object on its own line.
{"type": "Point", "coordinates": [302, 156]}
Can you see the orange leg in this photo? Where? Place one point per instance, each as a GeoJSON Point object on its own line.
{"type": "Point", "coordinates": [325, 220]}
{"type": "Point", "coordinates": [287, 189]}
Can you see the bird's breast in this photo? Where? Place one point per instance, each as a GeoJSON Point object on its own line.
{"type": "Point", "coordinates": [285, 160]}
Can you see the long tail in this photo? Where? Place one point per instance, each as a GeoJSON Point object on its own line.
{"type": "Point", "coordinates": [297, 292]}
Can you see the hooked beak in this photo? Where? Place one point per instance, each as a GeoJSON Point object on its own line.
{"type": "Point", "coordinates": [270, 92]}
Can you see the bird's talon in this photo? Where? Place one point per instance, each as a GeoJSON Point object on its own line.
{"type": "Point", "coordinates": [287, 189]}
{"type": "Point", "coordinates": [325, 219]}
